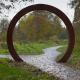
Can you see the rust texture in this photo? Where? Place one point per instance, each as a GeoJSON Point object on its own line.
{"type": "Point", "coordinates": [59, 13]}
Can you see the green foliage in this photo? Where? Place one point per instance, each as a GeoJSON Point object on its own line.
{"type": "Point", "coordinates": [74, 3]}
{"type": "Point", "coordinates": [3, 45]}
{"type": "Point", "coordinates": [30, 48]}
{"type": "Point", "coordinates": [3, 29]}
{"type": "Point", "coordinates": [61, 50]}
{"type": "Point", "coordinates": [37, 27]}
{"type": "Point", "coordinates": [63, 35]}
{"type": "Point", "coordinates": [57, 27]}
{"type": "Point", "coordinates": [3, 48]}
{"type": "Point", "coordinates": [74, 61]}
{"type": "Point", "coordinates": [5, 60]}
{"type": "Point", "coordinates": [22, 71]}
{"type": "Point", "coordinates": [4, 51]}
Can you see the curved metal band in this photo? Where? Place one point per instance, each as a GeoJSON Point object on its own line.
{"type": "Point", "coordinates": [49, 8]}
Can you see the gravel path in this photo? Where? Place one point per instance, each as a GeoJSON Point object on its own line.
{"type": "Point", "coordinates": [46, 62]}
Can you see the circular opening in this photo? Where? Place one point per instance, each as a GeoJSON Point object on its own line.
{"type": "Point", "coordinates": [47, 8]}
{"type": "Point", "coordinates": [39, 30]}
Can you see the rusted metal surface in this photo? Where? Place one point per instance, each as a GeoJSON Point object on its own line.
{"type": "Point", "coordinates": [59, 13]}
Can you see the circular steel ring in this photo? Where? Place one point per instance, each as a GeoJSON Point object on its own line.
{"type": "Point", "coordinates": [49, 8]}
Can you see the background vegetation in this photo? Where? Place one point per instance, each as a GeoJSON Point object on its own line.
{"type": "Point", "coordinates": [20, 71]}
{"type": "Point", "coordinates": [34, 32]}
{"type": "Point", "coordinates": [74, 61]}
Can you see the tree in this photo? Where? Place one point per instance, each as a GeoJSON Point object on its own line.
{"type": "Point", "coordinates": [39, 26]}
{"type": "Point", "coordinates": [8, 5]}
{"type": "Point", "coordinates": [5, 7]}
{"type": "Point", "coordinates": [76, 5]}
{"type": "Point", "coordinates": [57, 25]}
{"type": "Point", "coordinates": [3, 28]}
{"type": "Point", "coordinates": [12, 3]}
{"type": "Point", "coordinates": [4, 25]}
{"type": "Point", "coordinates": [64, 34]}
{"type": "Point", "coordinates": [76, 24]}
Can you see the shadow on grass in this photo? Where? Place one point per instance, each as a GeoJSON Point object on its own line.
{"type": "Point", "coordinates": [10, 70]}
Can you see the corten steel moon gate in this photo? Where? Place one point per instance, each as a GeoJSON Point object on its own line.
{"type": "Point", "coordinates": [49, 8]}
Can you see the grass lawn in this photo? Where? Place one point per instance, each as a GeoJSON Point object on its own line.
{"type": "Point", "coordinates": [75, 58]}
{"type": "Point", "coordinates": [29, 48]}
{"type": "Point", "coordinates": [20, 71]}
{"type": "Point", "coordinates": [74, 61]}
{"type": "Point", "coordinates": [62, 51]}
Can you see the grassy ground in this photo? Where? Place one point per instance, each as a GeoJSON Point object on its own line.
{"type": "Point", "coordinates": [20, 71]}
{"type": "Point", "coordinates": [29, 48]}
{"type": "Point", "coordinates": [74, 61]}
{"type": "Point", "coordinates": [62, 51]}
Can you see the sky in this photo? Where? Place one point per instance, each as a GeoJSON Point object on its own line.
{"type": "Point", "coordinates": [60, 4]}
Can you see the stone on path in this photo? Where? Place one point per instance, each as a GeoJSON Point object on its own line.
{"type": "Point", "coordinates": [46, 62]}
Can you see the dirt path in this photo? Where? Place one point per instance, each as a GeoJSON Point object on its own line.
{"type": "Point", "coordinates": [46, 62]}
